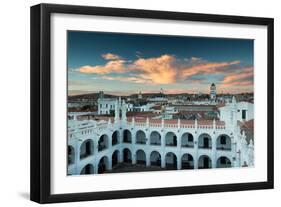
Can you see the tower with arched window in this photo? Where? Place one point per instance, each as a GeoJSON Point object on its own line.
{"type": "Point", "coordinates": [213, 92]}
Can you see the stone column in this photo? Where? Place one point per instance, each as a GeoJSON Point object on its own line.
{"type": "Point", "coordinates": [121, 156]}
{"type": "Point", "coordinates": [134, 137]}
{"type": "Point", "coordinates": [195, 158]}
{"type": "Point", "coordinates": [179, 162]}
{"type": "Point", "coordinates": [214, 148]}
{"type": "Point", "coordinates": [110, 163]}
{"type": "Point", "coordinates": [96, 169]}
{"type": "Point", "coordinates": [134, 158]}
{"type": "Point", "coordinates": [147, 138]}
{"type": "Point", "coordinates": [109, 141]}
{"type": "Point", "coordinates": [163, 160]}
{"type": "Point", "coordinates": [148, 161]}
{"type": "Point", "coordinates": [77, 157]}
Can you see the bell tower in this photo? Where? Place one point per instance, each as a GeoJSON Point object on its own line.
{"type": "Point", "coordinates": [213, 92]}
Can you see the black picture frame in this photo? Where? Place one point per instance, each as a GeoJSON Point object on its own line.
{"type": "Point", "coordinates": [41, 102]}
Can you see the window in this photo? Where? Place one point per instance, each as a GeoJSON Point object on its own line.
{"type": "Point", "coordinates": [88, 148]}
{"type": "Point", "coordinates": [223, 140]}
{"type": "Point", "coordinates": [243, 114]}
{"type": "Point", "coordinates": [190, 138]}
{"type": "Point", "coordinates": [223, 160]}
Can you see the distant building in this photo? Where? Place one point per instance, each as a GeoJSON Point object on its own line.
{"type": "Point", "coordinates": [140, 95]}
{"type": "Point", "coordinates": [143, 107]}
{"type": "Point", "coordinates": [101, 94]}
{"type": "Point", "coordinates": [194, 107]}
{"type": "Point", "coordinates": [236, 111]}
{"type": "Point", "coordinates": [106, 105]}
{"type": "Point", "coordinates": [213, 92]}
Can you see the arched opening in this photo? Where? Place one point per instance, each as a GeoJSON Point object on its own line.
{"type": "Point", "coordinates": [204, 162]}
{"type": "Point", "coordinates": [115, 138]}
{"type": "Point", "coordinates": [103, 142]}
{"type": "Point", "coordinates": [223, 142]}
{"type": "Point", "coordinates": [223, 162]}
{"type": "Point", "coordinates": [127, 156]}
{"type": "Point", "coordinates": [187, 162]}
{"type": "Point", "coordinates": [140, 157]}
{"type": "Point", "coordinates": [155, 159]}
{"type": "Point", "coordinates": [86, 149]}
{"type": "Point", "coordinates": [103, 165]}
{"type": "Point", "coordinates": [88, 169]}
{"type": "Point", "coordinates": [70, 154]}
{"type": "Point", "coordinates": [155, 138]}
{"type": "Point", "coordinates": [127, 136]}
{"type": "Point", "coordinates": [140, 137]}
{"type": "Point", "coordinates": [171, 161]}
{"type": "Point", "coordinates": [171, 139]}
{"type": "Point", "coordinates": [205, 141]}
{"type": "Point", "coordinates": [115, 158]}
{"type": "Point", "coordinates": [187, 140]}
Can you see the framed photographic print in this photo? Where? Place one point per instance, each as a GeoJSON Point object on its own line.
{"type": "Point", "coordinates": [133, 103]}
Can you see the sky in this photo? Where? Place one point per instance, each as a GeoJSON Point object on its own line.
{"type": "Point", "coordinates": [123, 64]}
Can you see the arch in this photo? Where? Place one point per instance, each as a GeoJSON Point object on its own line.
{"type": "Point", "coordinates": [155, 159]}
{"type": "Point", "coordinates": [140, 157]}
{"type": "Point", "coordinates": [187, 140]}
{"type": "Point", "coordinates": [70, 154]}
{"type": "Point", "coordinates": [204, 162]}
{"type": "Point", "coordinates": [223, 142]}
{"type": "Point", "coordinates": [127, 156]}
{"type": "Point", "coordinates": [103, 142]}
{"type": "Point", "coordinates": [127, 136]}
{"type": "Point", "coordinates": [88, 169]}
{"type": "Point", "coordinates": [223, 162]}
{"type": "Point", "coordinates": [205, 141]}
{"type": "Point", "coordinates": [171, 161]}
{"type": "Point", "coordinates": [115, 158]}
{"type": "Point", "coordinates": [171, 139]}
{"type": "Point", "coordinates": [140, 137]}
{"type": "Point", "coordinates": [103, 165]}
{"type": "Point", "coordinates": [86, 148]}
{"type": "Point", "coordinates": [155, 138]}
{"type": "Point", "coordinates": [115, 138]}
{"type": "Point", "coordinates": [187, 161]}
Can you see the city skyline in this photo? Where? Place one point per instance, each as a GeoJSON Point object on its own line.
{"type": "Point", "coordinates": [123, 64]}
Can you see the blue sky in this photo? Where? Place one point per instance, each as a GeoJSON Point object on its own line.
{"type": "Point", "coordinates": [128, 63]}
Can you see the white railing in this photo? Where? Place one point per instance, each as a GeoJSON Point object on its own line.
{"type": "Point", "coordinates": [85, 130]}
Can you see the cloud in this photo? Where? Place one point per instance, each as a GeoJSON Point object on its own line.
{"type": "Point", "coordinates": [110, 56]}
{"type": "Point", "coordinates": [138, 54]}
{"type": "Point", "coordinates": [207, 68]}
{"type": "Point", "coordinates": [242, 77]}
{"type": "Point", "coordinates": [167, 69]}
{"type": "Point", "coordinates": [127, 79]}
{"type": "Point", "coordinates": [158, 70]}
{"type": "Point", "coordinates": [113, 66]}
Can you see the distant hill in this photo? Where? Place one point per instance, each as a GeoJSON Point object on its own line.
{"type": "Point", "coordinates": [92, 96]}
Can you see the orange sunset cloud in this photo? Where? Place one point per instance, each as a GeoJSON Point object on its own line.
{"type": "Point", "coordinates": [167, 69]}
{"type": "Point", "coordinates": [113, 66]}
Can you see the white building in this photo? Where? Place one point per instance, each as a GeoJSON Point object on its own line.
{"type": "Point", "coordinates": [236, 111]}
{"type": "Point", "coordinates": [143, 108]}
{"type": "Point", "coordinates": [106, 105]}
{"type": "Point", "coordinates": [213, 92]}
{"type": "Point", "coordinates": [95, 147]}
{"type": "Point", "coordinates": [140, 95]}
